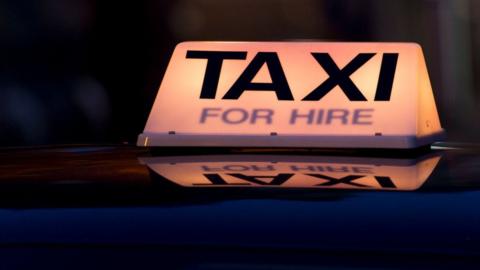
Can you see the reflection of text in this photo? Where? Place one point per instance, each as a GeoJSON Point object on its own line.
{"type": "Point", "coordinates": [293, 168]}
{"type": "Point", "coordinates": [281, 179]}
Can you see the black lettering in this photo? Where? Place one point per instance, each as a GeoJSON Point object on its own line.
{"type": "Point", "coordinates": [385, 181]}
{"type": "Point", "coordinates": [214, 66]}
{"type": "Point", "coordinates": [276, 180]}
{"type": "Point", "coordinates": [279, 82]}
{"type": "Point", "coordinates": [339, 77]}
{"type": "Point", "coordinates": [216, 179]}
{"type": "Point", "coordinates": [385, 79]}
{"type": "Point", "coordinates": [335, 181]}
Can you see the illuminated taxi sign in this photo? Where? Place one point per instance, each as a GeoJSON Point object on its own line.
{"type": "Point", "coordinates": [294, 94]}
{"type": "Point", "coordinates": [294, 171]}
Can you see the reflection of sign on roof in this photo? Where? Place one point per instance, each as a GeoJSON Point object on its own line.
{"type": "Point", "coordinates": [288, 94]}
{"type": "Point", "coordinates": [293, 171]}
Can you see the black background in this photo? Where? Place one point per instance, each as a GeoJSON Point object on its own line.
{"type": "Point", "coordinates": [85, 71]}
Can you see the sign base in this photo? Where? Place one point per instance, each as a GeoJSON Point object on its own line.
{"type": "Point", "coordinates": [378, 141]}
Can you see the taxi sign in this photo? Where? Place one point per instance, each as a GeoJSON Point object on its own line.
{"type": "Point", "coordinates": [294, 94]}
{"type": "Point", "coordinates": [277, 171]}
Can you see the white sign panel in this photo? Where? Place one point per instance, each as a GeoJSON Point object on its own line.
{"type": "Point", "coordinates": [294, 94]}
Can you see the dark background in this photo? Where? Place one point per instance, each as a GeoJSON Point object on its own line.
{"type": "Point", "coordinates": [85, 71]}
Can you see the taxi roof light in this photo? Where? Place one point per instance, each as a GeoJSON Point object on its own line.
{"type": "Point", "coordinates": [294, 94]}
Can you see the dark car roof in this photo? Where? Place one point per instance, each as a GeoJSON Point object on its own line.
{"type": "Point", "coordinates": [106, 196]}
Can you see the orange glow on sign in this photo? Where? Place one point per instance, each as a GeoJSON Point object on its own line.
{"type": "Point", "coordinates": [294, 94]}
{"type": "Point", "coordinates": [294, 171]}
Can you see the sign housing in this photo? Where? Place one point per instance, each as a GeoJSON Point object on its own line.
{"type": "Point", "coordinates": [294, 94]}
